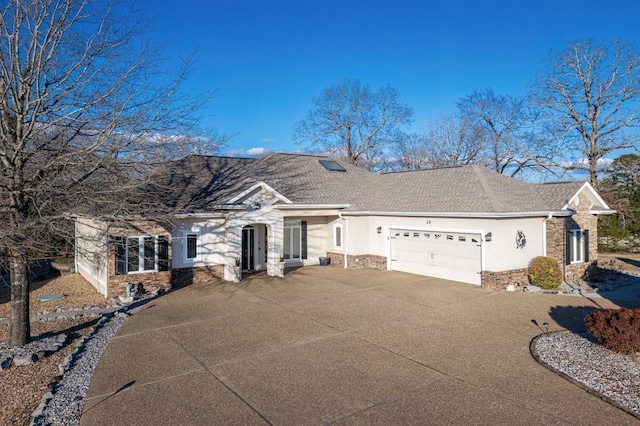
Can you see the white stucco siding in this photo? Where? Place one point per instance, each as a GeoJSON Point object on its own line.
{"type": "Point", "coordinates": [358, 232]}
{"type": "Point", "coordinates": [502, 252]}
{"type": "Point", "coordinates": [91, 252]}
{"type": "Point", "coordinates": [211, 245]}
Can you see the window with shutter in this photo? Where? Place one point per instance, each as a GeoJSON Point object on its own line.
{"type": "Point", "coordinates": [577, 246]}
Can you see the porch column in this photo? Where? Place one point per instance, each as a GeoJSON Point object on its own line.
{"type": "Point", "coordinates": [234, 251]}
{"type": "Point", "coordinates": [276, 238]}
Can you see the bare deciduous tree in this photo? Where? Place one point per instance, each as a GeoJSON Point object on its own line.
{"type": "Point", "coordinates": [351, 121]}
{"type": "Point", "coordinates": [509, 144]}
{"type": "Point", "coordinates": [589, 92]}
{"type": "Point", "coordinates": [85, 110]}
{"type": "Point", "coordinates": [448, 141]}
{"type": "Point", "coordinates": [454, 141]}
{"type": "Point", "coordinates": [410, 152]}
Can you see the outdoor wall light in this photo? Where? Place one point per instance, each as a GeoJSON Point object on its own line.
{"type": "Point", "coordinates": [379, 229]}
{"type": "Point", "coordinates": [487, 237]}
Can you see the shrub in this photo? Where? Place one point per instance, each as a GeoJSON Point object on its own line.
{"type": "Point", "coordinates": [616, 329]}
{"type": "Point", "coordinates": [594, 273]}
{"type": "Point", "coordinates": [544, 272]}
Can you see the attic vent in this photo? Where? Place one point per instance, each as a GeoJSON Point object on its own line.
{"type": "Point", "coordinates": [332, 166]}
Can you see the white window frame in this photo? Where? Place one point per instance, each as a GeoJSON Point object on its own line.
{"type": "Point", "coordinates": [185, 247]}
{"type": "Point", "coordinates": [336, 227]}
{"type": "Point", "coordinates": [290, 225]}
{"type": "Point", "coordinates": [577, 245]}
{"type": "Point", "coordinates": [141, 269]}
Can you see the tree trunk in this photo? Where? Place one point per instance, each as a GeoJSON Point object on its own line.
{"type": "Point", "coordinates": [593, 171]}
{"type": "Point", "coordinates": [19, 327]}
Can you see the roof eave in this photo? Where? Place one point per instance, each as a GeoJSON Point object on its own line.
{"type": "Point", "coordinates": [603, 211]}
{"type": "Point", "coordinates": [483, 215]}
{"type": "Point", "coordinates": [310, 206]}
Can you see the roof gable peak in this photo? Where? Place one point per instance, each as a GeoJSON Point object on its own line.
{"type": "Point", "coordinates": [263, 186]}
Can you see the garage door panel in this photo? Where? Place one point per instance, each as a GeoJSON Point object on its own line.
{"type": "Point", "coordinates": [453, 256]}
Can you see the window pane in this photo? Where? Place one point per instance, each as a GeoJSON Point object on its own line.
{"type": "Point", "coordinates": [192, 246]}
{"type": "Point", "coordinates": [121, 255]}
{"type": "Point", "coordinates": [149, 254]}
{"type": "Point", "coordinates": [338, 236]}
{"type": "Point", "coordinates": [578, 246]}
{"type": "Point", "coordinates": [133, 253]}
{"type": "Point", "coordinates": [163, 253]}
{"type": "Point", "coordinates": [296, 243]}
{"type": "Point", "coordinates": [287, 243]}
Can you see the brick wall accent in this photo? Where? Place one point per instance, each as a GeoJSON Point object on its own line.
{"type": "Point", "coordinates": [557, 238]}
{"type": "Point", "coordinates": [359, 261]}
{"type": "Point", "coordinates": [337, 259]}
{"type": "Point", "coordinates": [500, 280]}
{"type": "Point", "coordinates": [116, 284]}
{"type": "Point", "coordinates": [185, 276]}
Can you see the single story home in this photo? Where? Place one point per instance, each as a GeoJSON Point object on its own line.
{"type": "Point", "coordinates": [233, 215]}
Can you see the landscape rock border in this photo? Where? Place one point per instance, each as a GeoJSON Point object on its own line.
{"type": "Point", "coordinates": [533, 348]}
{"type": "Point", "coordinates": [63, 403]}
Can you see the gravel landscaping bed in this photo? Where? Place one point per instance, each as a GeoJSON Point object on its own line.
{"type": "Point", "coordinates": [29, 382]}
{"type": "Point", "coordinates": [579, 357]}
{"type": "Point", "coordinates": [63, 406]}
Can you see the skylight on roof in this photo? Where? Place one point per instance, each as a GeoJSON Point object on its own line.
{"type": "Point", "coordinates": [332, 166]}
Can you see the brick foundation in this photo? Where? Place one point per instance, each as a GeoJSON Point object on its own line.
{"type": "Point", "coordinates": [186, 276]}
{"type": "Point", "coordinates": [117, 284]}
{"type": "Point", "coordinates": [500, 280]}
{"type": "Point", "coordinates": [359, 261]}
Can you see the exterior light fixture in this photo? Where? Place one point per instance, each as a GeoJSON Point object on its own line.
{"type": "Point", "coordinates": [379, 229]}
{"type": "Point", "coordinates": [487, 237]}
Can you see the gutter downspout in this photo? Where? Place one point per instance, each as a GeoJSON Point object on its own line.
{"type": "Point", "coordinates": [544, 234]}
{"type": "Point", "coordinates": [346, 239]}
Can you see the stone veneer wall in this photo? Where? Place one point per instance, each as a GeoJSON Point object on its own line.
{"type": "Point", "coordinates": [359, 261]}
{"type": "Point", "coordinates": [500, 280]}
{"type": "Point", "coordinates": [185, 276]}
{"type": "Point", "coordinates": [116, 284]}
{"type": "Point", "coordinates": [557, 234]}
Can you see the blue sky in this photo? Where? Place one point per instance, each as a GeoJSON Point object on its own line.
{"type": "Point", "coordinates": [269, 58]}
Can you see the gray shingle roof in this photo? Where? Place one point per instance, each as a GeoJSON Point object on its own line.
{"type": "Point", "coordinates": [198, 183]}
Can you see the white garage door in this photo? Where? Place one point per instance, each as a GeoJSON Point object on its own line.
{"type": "Point", "coordinates": [448, 255]}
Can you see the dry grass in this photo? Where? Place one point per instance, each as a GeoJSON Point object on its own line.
{"type": "Point", "coordinates": [76, 290]}
{"type": "Point", "coordinates": [622, 262]}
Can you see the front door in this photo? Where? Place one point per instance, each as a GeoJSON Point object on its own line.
{"type": "Point", "coordinates": [248, 261]}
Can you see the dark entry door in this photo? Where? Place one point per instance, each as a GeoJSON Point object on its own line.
{"type": "Point", "coordinates": [248, 261]}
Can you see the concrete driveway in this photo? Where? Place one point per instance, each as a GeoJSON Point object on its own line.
{"type": "Point", "coordinates": [326, 345]}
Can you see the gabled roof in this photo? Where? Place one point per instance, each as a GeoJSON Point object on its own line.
{"type": "Point", "coordinates": [201, 183]}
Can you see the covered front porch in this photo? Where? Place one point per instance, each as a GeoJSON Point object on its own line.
{"type": "Point", "coordinates": [273, 245]}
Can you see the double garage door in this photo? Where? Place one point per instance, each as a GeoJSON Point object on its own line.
{"type": "Point", "coordinates": [447, 255]}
